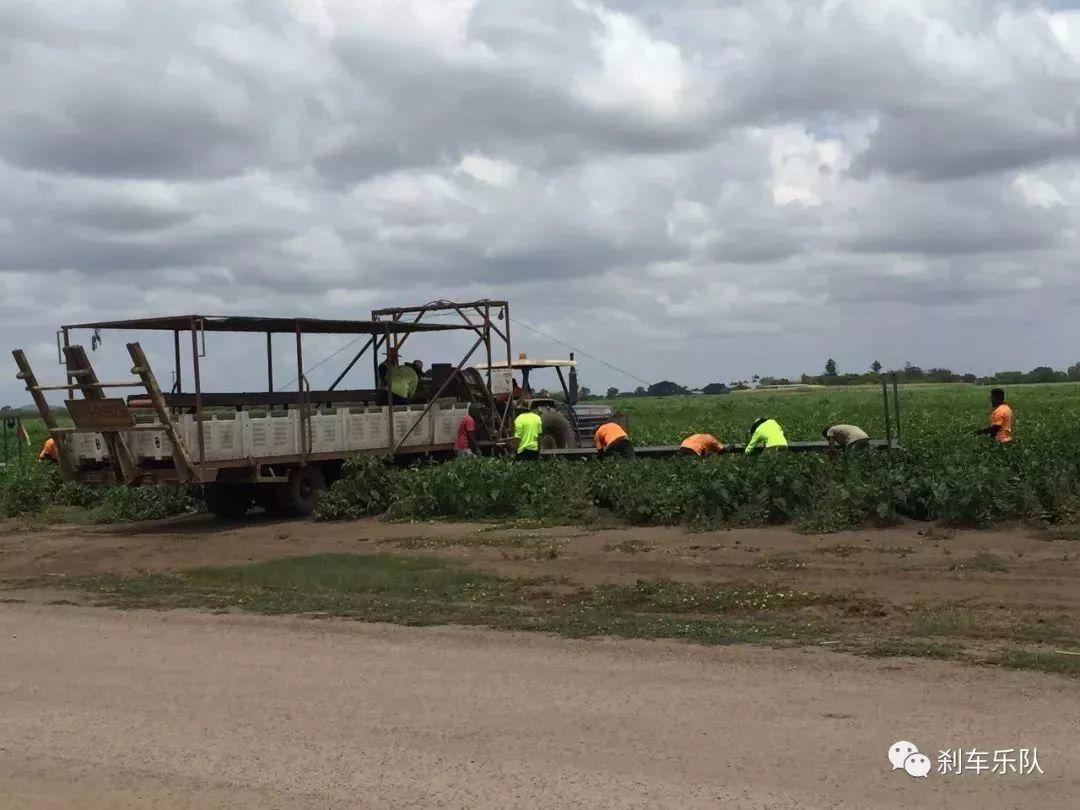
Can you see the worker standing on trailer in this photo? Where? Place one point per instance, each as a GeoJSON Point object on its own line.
{"type": "Point", "coordinates": [402, 380]}
{"type": "Point", "coordinates": [766, 434]}
{"type": "Point", "coordinates": [846, 437]}
{"type": "Point", "coordinates": [701, 445]}
{"type": "Point", "coordinates": [527, 429]}
{"type": "Point", "coordinates": [1001, 419]}
{"type": "Point", "coordinates": [465, 444]}
{"type": "Point", "coordinates": [49, 451]}
{"type": "Point", "coordinates": [612, 441]}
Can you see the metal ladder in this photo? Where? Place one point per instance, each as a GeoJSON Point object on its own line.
{"type": "Point", "coordinates": [81, 376]}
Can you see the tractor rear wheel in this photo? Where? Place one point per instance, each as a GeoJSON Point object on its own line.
{"type": "Point", "coordinates": [227, 500]}
{"type": "Point", "coordinates": [557, 432]}
{"type": "Point", "coordinates": [298, 496]}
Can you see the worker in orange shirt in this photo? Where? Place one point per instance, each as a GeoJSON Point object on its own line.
{"type": "Point", "coordinates": [49, 451]}
{"type": "Point", "coordinates": [701, 445]}
{"type": "Point", "coordinates": [612, 441]}
{"type": "Point", "coordinates": [1001, 419]}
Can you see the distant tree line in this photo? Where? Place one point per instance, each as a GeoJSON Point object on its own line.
{"type": "Point", "coordinates": [832, 376]}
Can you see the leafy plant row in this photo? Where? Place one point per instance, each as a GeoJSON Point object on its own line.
{"type": "Point", "coordinates": [973, 485]}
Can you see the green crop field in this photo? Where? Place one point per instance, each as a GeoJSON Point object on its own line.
{"type": "Point", "coordinates": [942, 473]}
{"type": "Point", "coordinates": [931, 414]}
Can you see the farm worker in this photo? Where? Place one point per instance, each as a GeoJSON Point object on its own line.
{"type": "Point", "coordinates": [527, 429]}
{"type": "Point", "coordinates": [1001, 418]}
{"type": "Point", "coordinates": [846, 437]}
{"type": "Point", "coordinates": [49, 451]}
{"type": "Point", "coordinates": [403, 382]}
{"type": "Point", "coordinates": [611, 441]}
{"type": "Point", "coordinates": [765, 434]}
{"type": "Point", "coordinates": [465, 443]}
{"type": "Point", "coordinates": [701, 445]}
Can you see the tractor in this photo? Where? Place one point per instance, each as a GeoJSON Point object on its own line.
{"type": "Point", "coordinates": [567, 423]}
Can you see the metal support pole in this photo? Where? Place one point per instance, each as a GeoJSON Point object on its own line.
{"type": "Point", "coordinates": [348, 368]}
{"type": "Point", "coordinates": [198, 395]}
{"type": "Point", "coordinates": [389, 393]}
{"type": "Point", "coordinates": [270, 362]}
{"type": "Point", "coordinates": [178, 385]}
{"type": "Point", "coordinates": [305, 419]}
{"type": "Point", "coordinates": [885, 401]}
{"type": "Point", "coordinates": [896, 406]}
{"type": "Point", "coordinates": [70, 379]}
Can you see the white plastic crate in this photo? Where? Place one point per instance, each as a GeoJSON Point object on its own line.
{"type": "Point", "coordinates": [223, 436]}
{"type": "Point", "coordinates": [151, 445]}
{"type": "Point", "coordinates": [327, 431]}
{"type": "Point", "coordinates": [405, 416]}
{"type": "Point", "coordinates": [446, 419]}
{"type": "Point", "coordinates": [89, 447]}
{"type": "Point", "coordinates": [271, 434]}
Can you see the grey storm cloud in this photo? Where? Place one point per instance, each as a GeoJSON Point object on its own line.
{"type": "Point", "coordinates": [691, 190]}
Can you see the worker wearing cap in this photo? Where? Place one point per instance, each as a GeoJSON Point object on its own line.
{"type": "Point", "coordinates": [612, 441]}
{"type": "Point", "coordinates": [527, 429]}
{"type": "Point", "coordinates": [1001, 419]}
{"type": "Point", "coordinates": [701, 445]}
{"type": "Point", "coordinates": [766, 434]}
{"type": "Point", "coordinates": [49, 451]}
{"type": "Point", "coordinates": [846, 437]}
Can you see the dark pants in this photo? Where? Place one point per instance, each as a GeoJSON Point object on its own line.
{"type": "Point", "coordinates": [528, 455]}
{"type": "Point", "coordinates": [686, 451]}
{"type": "Point", "coordinates": [620, 448]}
{"type": "Point", "coordinates": [858, 444]}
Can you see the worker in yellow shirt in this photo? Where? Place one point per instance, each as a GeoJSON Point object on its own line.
{"type": "Point", "coordinates": [527, 429]}
{"type": "Point", "coordinates": [766, 434]}
{"type": "Point", "coordinates": [1001, 419]}
{"type": "Point", "coordinates": [612, 441]}
{"type": "Point", "coordinates": [701, 445]}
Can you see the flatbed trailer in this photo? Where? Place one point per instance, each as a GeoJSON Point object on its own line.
{"type": "Point", "coordinates": [277, 448]}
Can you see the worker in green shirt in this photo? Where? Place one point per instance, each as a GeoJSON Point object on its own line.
{"type": "Point", "coordinates": [765, 434]}
{"type": "Point", "coordinates": [527, 429]}
{"type": "Point", "coordinates": [402, 380]}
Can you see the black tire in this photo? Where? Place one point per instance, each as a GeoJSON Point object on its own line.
{"type": "Point", "coordinates": [298, 496]}
{"type": "Point", "coordinates": [228, 501]}
{"type": "Point", "coordinates": [557, 432]}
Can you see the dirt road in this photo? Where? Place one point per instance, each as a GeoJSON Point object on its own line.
{"type": "Point", "coordinates": [103, 708]}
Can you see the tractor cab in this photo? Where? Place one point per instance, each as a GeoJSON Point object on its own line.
{"type": "Point", "coordinates": [567, 423]}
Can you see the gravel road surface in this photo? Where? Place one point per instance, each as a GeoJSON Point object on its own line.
{"type": "Point", "coordinates": [103, 709]}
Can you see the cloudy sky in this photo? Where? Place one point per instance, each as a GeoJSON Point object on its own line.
{"type": "Point", "coordinates": [690, 189]}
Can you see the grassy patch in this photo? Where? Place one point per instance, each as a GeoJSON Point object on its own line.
{"type": "Point", "coordinates": [780, 561]}
{"type": "Point", "coordinates": [839, 549]}
{"type": "Point", "coordinates": [428, 590]}
{"type": "Point", "coordinates": [1055, 662]}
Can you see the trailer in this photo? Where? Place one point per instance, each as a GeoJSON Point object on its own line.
{"type": "Point", "coordinates": [275, 448]}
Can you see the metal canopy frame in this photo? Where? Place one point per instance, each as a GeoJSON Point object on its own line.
{"type": "Point", "coordinates": [483, 317]}
{"type": "Point", "coordinates": [387, 329]}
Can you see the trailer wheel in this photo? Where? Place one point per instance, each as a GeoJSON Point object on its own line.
{"type": "Point", "coordinates": [271, 498]}
{"type": "Point", "coordinates": [298, 496]}
{"type": "Point", "coordinates": [227, 501]}
{"type": "Point", "coordinates": [557, 432]}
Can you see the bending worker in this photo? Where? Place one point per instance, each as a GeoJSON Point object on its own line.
{"type": "Point", "coordinates": [527, 429]}
{"type": "Point", "coordinates": [846, 437]}
{"type": "Point", "coordinates": [49, 451]}
{"type": "Point", "coordinates": [701, 445]}
{"type": "Point", "coordinates": [765, 434]}
{"type": "Point", "coordinates": [1001, 419]}
{"type": "Point", "coordinates": [612, 441]}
